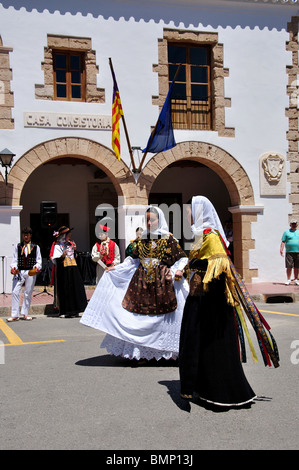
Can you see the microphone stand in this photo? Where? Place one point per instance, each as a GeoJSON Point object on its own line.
{"type": "Point", "coordinates": [45, 287]}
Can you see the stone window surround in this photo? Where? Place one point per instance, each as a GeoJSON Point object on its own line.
{"type": "Point", "coordinates": [46, 91]}
{"type": "Point", "coordinates": [218, 73]}
{"type": "Point", "coordinates": [6, 95]}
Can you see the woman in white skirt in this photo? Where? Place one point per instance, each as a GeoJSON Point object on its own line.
{"type": "Point", "coordinates": [139, 303]}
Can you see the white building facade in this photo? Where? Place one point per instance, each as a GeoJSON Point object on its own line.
{"type": "Point", "coordinates": [235, 118]}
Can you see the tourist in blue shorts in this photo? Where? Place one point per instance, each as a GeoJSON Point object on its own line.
{"type": "Point", "coordinates": [290, 241]}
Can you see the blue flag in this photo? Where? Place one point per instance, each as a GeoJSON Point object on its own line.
{"type": "Point", "coordinates": [162, 137]}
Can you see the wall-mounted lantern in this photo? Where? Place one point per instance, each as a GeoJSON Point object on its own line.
{"type": "Point", "coordinates": [6, 157]}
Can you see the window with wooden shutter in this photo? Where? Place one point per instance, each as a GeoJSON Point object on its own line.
{"type": "Point", "coordinates": [69, 75]}
{"type": "Point", "coordinates": [191, 96]}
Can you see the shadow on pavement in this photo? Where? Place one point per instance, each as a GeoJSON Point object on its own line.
{"type": "Point", "coordinates": [108, 360]}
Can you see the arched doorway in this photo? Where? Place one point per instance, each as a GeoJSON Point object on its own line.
{"type": "Point", "coordinates": [77, 187]}
{"type": "Point", "coordinates": [176, 185]}
{"type": "Point", "coordinates": [78, 174]}
{"type": "Point", "coordinates": [237, 184]}
{"type": "Point", "coordinates": [69, 147]}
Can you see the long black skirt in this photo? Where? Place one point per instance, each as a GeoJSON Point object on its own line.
{"type": "Point", "coordinates": [209, 360]}
{"type": "Point", "coordinates": [70, 290]}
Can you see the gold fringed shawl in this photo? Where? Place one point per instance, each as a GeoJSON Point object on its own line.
{"type": "Point", "coordinates": [211, 247]}
{"type": "Point", "coordinates": [218, 263]}
{"type": "Point", "coordinates": [266, 341]}
{"type": "Point", "coordinates": [239, 312]}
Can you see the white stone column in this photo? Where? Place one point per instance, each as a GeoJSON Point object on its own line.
{"type": "Point", "coordinates": [244, 245]}
{"type": "Point", "coordinates": [130, 217]}
{"type": "Point", "coordinates": [10, 237]}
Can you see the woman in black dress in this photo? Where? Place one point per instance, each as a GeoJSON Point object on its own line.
{"type": "Point", "coordinates": [213, 323]}
{"type": "Point", "coordinates": [71, 293]}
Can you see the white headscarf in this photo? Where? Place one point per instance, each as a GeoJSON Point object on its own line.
{"type": "Point", "coordinates": [162, 228]}
{"type": "Point", "coordinates": [205, 216]}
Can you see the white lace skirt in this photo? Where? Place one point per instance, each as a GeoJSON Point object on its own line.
{"type": "Point", "coordinates": [118, 347]}
{"type": "Point", "coordinates": [129, 334]}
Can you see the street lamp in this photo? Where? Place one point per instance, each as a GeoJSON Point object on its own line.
{"type": "Point", "coordinates": [6, 157]}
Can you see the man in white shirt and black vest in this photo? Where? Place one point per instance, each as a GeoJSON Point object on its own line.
{"type": "Point", "coordinates": [26, 263]}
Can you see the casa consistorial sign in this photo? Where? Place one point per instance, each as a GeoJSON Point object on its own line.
{"type": "Point", "coordinates": [67, 121]}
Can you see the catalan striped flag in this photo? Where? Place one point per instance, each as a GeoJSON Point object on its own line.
{"type": "Point", "coordinates": [117, 112]}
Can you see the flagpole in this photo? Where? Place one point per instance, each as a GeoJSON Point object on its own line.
{"type": "Point", "coordinates": [145, 153]}
{"type": "Point", "coordinates": [125, 126]}
{"type": "Point", "coordinates": [153, 133]}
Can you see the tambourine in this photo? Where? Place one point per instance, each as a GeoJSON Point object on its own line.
{"type": "Point", "coordinates": [14, 271]}
{"type": "Point", "coordinates": [32, 272]}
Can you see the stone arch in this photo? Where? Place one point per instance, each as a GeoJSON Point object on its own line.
{"type": "Point", "coordinates": [225, 165]}
{"type": "Point", "coordinates": [237, 183]}
{"type": "Point", "coordinates": [101, 156]}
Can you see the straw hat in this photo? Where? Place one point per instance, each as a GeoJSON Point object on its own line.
{"type": "Point", "coordinates": [62, 230]}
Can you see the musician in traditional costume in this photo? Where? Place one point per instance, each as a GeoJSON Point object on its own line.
{"type": "Point", "coordinates": [139, 303]}
{"type": "Point", "coordinates": [26, 263]}
{"type": "Point", "coordinates": [71, 293]}
{"type": "Point", "coordinates": [212, 346]}
{"type": "Point", "coordinates": [105, 252]}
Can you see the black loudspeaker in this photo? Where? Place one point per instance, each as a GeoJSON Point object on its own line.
{"type": "Point", "coordinates": [48, 214]}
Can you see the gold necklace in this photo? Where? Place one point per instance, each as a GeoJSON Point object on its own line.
{"type": "Point", "coordinates": [151, 253]}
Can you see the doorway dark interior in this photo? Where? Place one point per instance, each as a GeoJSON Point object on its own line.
{"type": "Point", "coordinates": [44, 238]}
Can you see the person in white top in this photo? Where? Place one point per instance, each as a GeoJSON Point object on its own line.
{"type": "Point", "coordinates": [26, 263]}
